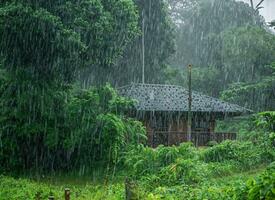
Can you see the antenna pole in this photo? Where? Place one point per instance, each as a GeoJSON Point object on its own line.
{"type": "Point", "coordinates": [189, 123]}
{"type": "Point", "coordinates": [252, 4]}
{"type": "Point", "coordinates": [143, 49]}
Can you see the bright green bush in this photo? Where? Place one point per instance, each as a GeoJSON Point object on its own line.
{"type": "Point", "coordinates": [265, 120]}
{"type": "Point", "coordinates": [238, 187]}
{"type": "Point", "coordinates": [228, 150]}
{"type": "Point", "coordinates": [264, 186]}
{"type": "Point", "coordinates": [184, 171]}
{"type": "Point", "coordinates": [170, 166]}
{"type": "Point", "coordinates": [141, 160]}
{"type": "Point", "coordinates": [234, 189]}
{"type": "Point", "coordinates": [245, 154]}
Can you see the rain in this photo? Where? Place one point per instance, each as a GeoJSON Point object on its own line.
{"type": "Point", "coordinates": [137, 99]}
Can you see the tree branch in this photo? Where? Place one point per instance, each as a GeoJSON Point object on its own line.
{"type": "Point", "coordinates": [259, 3]}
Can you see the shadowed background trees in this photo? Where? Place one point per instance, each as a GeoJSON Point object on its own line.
{"type": "Point", "coordinates": [230, 46]}
{"type": "Point", "coordinates": [159, 46]}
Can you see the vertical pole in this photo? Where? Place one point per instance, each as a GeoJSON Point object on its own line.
{"type": "Point", "coordinates": [189, 125]}
{"type": "Point", "coordinates": [128, 192]}
{"type": "Point", "coordinates": [143, 48]}
{"type": "Point", "coordinates": [252, 4]}
{"type": "Point", "coordinates": [67, 194]}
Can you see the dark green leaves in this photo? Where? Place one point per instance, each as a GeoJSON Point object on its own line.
{"type": "Point", "coordinates": [57, 39]}
{"type": "Point", "coordinates": [35, 38]}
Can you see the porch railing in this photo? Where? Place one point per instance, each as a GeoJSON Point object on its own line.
{"type": "Point", "coordinates": [167, 138]}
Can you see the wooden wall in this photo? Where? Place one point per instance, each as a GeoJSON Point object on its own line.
{"type": "Point", "coordinates": [171, 128]}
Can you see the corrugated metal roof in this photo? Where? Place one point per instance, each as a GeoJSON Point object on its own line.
{"type": "Point", "coordinates": [155, 97]}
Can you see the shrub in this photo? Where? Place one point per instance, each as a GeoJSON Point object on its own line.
{"type": "Point", "coordinates": [141, 160]}
{"type": "Point", "coordinates": [187, 165]}
{"type": "Point", "coordinates": [218, 169]}
{"type": "Point", "coordinates": [238, 188]}
{"type": "Point", "coordinates": [184, 171]}
{"type": "Point", "coordinates": [244, 153]}
{"type": "Point", "coordinates": [265, 120]}
{"type": "Point", "coordinates": [264, 186]}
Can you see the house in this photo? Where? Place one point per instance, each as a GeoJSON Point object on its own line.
{"type": "Point", "coordinates": [164, 111]}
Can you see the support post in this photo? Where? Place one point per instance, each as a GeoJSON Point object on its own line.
{"type": "Point", "coordinates": [131, 189]}
{"type": "Point", "coordinates": [189, 123]}
{"type": "Point", "coordinates": [252, 4]}
{"type": "Point", "coordinates": [67, 194]}
{"type": "Point", "coordinates": [143, 47]}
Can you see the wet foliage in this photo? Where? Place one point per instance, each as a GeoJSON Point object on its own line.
{"type": "Point", "coordinates": [76, 130]}
{"type": "Point", "coordinates": [29, 189]}
{"type": "Point", "coordinates": [157, 29]}
{"type": "Point", "coordinates": [58, 114]}
{"type": "Point", "coordinates": [46, 121]}
{"type": "Point", "coordinates": [163, 171]}
{"type": "Point", "coordinates": [231, 48]}
{"type": "Point", "coordinates": [171, 166]}
{"type": "Point", "coordinates": [177, 173]}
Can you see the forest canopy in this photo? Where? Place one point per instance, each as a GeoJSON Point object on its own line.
{"type": "Point", "coordinates": [230, 46]}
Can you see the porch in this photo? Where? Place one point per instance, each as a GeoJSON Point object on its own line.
{"type": "Point", "coordinates": [168, 138]}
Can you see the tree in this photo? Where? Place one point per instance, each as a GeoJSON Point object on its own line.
{"type": "Point", "coordinates": [213, 29]}
{"type": "Point", "coordinates": [241, 58]}
{"type": "Point", "coordinates": [43, 46]}
{"type": "Point", "coordinates": [246, 67]}
{"type": "Point", "coordinates": [258, 95]}
{"type": "Point", "coordinates": [159, 46]}
{"type": "Point", "coordinates": [198, 37]}
{"type": "Point", "coordinates": [33, 39]}
{"type": "Point", "coordinates": [180, 10]}
{"type": "Point", "coordinates": [66, 35]}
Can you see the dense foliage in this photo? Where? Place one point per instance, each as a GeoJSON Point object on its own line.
{"type": "Point", "coordinates": [157, 30]}
{"type": "Point", "coordinates": [191, 173]}
{"type": "Point", "coordinates": [14, 189]}
{"type": "Point", "coordinates": [231, 48]}
{"type": "Point", "coordinates": [58, 115]}
{"type": "Point", "coordinates": [187, 173]}
{"type": "Point", "coordinates": [45, 122]}
{"type": "Point", "coordinates": [82, 128]}
{"type": "Point", "coordinates": [196, 181]}
{"type": "Point", "coordinates": [65, 35]}
{"type": "Point", "coordinates": [186, 165]}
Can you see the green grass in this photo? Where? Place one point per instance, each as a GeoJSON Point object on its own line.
{"type": "Point", "coordinates": [220, 188]}
{"type": "Point", "coordinates": [245, 175]}
{"type": "Point", "coordinates": [86, 188]}
{"type": "Point", "coordinates": [22, 188]}
{"type": "Point", "coordinates": [222, 172]}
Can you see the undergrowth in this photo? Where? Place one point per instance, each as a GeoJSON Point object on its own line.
{"type": "Point", "coordinates": [187, 165]}
{"type": "Point", "coordinates": [25, 189]}
{"type": "Point", "coordinates": [219, 172]}
{"type": "Point", "coordinates": [251, 185]}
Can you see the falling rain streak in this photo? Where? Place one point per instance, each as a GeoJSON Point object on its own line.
{"type": "Point", "coordinates": [99, 93]}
